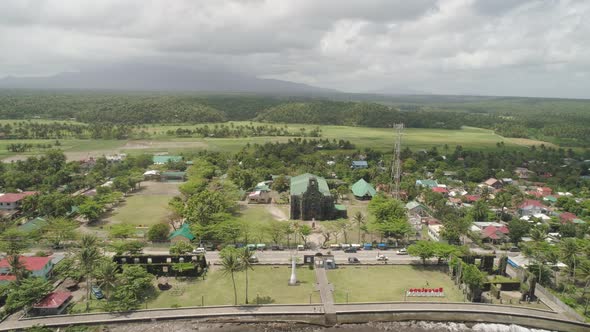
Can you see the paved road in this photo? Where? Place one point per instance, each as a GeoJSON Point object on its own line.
{"type": "Point", "coordinates": [284, 257]}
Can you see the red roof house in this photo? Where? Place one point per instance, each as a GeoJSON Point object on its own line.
{"type": "Point", "coordinates": [441, 190]}
{"type": "Point", "coordinates": [38, 267]}
{"type": "Point", "coordinates": [567, 217]}
{"type": "Point", "coordinates": [472, 198]}
{"type": "Point", "coordinates": [544, 191]}
{"type": "Point", "coordinates": [494, 233]}
{"type": "Point", "coordinates": [53, 304]}
{"type": "Point", "coordinates": [12, 201]}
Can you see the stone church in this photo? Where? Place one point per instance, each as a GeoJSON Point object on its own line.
{"type": "Point", "coordinates": [311, 198]}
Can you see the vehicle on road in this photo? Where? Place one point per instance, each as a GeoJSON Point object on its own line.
{"type": "Point", "coordinates": [382, 258]}
{"type": "Point", "coordinates": [350, 250]}
{"type": "Point", "coordinates": [356, 246]}
{"type": "Point", "coordinates": [200, 251]}
{"type": "Point", "coordinates": [277, 247]}
{"type": "Point", "coordinates": [335, 247]}
{"type": "Point", "coordinates": [514, 249]}
{"type": "Point", "coordinates": [97, 292]}
{"type": "Point", "coordinates": [402, 251]}
{"type": "Point", "coordinates": [253, 259]}
{"type": "Point", "coordinates": [353, 260]}
{"type": "Point", "coordinates": [261, 246]}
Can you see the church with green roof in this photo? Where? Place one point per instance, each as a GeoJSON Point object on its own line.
{"type": "Point", "coordinates": [363, 190]}
{"type": "Point", "coordinates": [311, 199]}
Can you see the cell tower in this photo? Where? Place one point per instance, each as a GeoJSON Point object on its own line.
{"type": "Point", "coordinates": [396, 167]}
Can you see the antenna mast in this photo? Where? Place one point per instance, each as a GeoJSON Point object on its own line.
{"type": "Point", "coordinates": [396, 169]}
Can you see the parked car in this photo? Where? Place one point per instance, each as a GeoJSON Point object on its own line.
{"type": "Point", "coordinates": [261, 246]}
{"type": "Point", "coordinates": [353, 260]}
{"type": "Point", "coordinates": [97, 292]}
{"type": "Point", "coordinates": [335, 247]}
{"type": "Point", "coordinates": [277, 247]}
{"type": "Point", "coordinates": [402, 251]}
{"type": "Point", "coordinates": [514, 249]}
{"type": "Point", "coordinates": [200, 251]}
{"type": "Point", "coordinates": [350, 250]}
{"type": "Point", "coordinates": [300, 247]}
{"type": "Point", "coordinates": [368, 246]}
{"type": "Point", "coordinates": [251, 246]}
{"type": "Point", "coordinates": [253, 259]}
{"type": "Point", "coordinates": [356, 246]}
{"type": "Point", "coordinates": [382, 246]}
{"type": "Point", "coordinates": [382, 258]}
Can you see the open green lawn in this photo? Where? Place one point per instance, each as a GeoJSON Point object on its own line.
{"type": "Point", "coordinates": [257, 217]}
{"type": "Point", "coordinates": [269, 283]}
{"type": "Point", "coordinates": [142, 210]}
{"type": "Point", "coordinates": [388, 283]}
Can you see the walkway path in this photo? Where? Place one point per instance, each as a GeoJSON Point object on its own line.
{"type": "Point", "coordinates": [326, 294]}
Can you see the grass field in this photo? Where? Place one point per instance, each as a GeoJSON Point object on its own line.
{"type": "Point", "coordinates": [388, 283]}
{"type": "Point", "coordinates": [267, 283]}
{"type": "Point", "coordinates": [362, 137]}
{"type": "Point", "coordinates": [258, 217]}
{"type": "Point", "coordinates": [142, 210]}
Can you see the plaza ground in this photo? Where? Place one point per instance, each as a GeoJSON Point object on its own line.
{"type": "Point", "coordinates": [389, 282]}
{"type": "Point", "coordinates": [142, 208]}
{"type": "Point", "coordinates": [268, 284]}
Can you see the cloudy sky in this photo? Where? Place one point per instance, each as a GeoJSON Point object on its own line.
{"type": "Point", "coordinates": [490, 47]}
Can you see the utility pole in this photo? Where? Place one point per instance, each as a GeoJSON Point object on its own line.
{"type": "Point", "coordinates": [396, 168]}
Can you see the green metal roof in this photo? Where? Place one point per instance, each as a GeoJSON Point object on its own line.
{"type": "Point", "coordinates": [165, 159]}
{"type": "Point", "coordinates": [32, 225]}
{"type": "Point", "coordinates": [551, 199]}
{"type": "Point", "coordinates": [299, 184]}
{"type": "Point", "coordinates": [184, 230]}
{"type": "Point", "coordinates": [578, 221]}
{"type": "Point", "coordinates": [340, 207]}
{"type": "Point", "coordinates": [427, 183]}
{"type": "Point", "coordinates": [172, 174]}
{"type": "Point", "coordinates": [362, 188]}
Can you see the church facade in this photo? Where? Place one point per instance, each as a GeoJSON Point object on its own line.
{"type": "Point", "coordinates": [311, 198]}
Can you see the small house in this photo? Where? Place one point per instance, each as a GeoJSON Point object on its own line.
{"type": "Point", "coordinates": [415, 208]}
{"type": "Point", "coordinates": [363, 190]}
{"type": "Point", "coordinates": [426, 183]}
{"type": "Point", "coordinates": [40, 267]}
{"type": "Point", "coordinates": [13, 201]}
{"type": "Point", "coordinates": [494, 183]}
{"type": "Point", "coordinates": [173, 176]}
{"type": "Point", "coordinates": [259, 196]}
{"type": "Point", "coordinates": [54, 303]}
{"type": "Point", "coordinates": [162, 160]}
{"type": "Point", "coordinates": [359, 164]}
{"type": "Point", "coordinates": [441, 190]}
{"type": "Point", "coordinates": [495, 234]}
{"type": "Point", "coordinates": [530, 207]}
{"type": "Point", "coordinates": [183, 234]}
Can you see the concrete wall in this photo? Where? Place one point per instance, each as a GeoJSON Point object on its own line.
{"type": "Point", "coordinates": [466, 317]}
{"type": "Point", "coordinates": [558, 302]}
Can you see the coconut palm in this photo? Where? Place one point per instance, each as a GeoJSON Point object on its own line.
{"type": "Point", "coordinates": [244, 257]}
{"type": "Point", "coordinates": [230, 264]}
{"type": "Point", "coordinates": [17, 267]}
{"type": "Point", "coordinates": [88, 256]}
{"type": "Point", "coordinates": [106, 273]}
{"type": "Point", "coordinates": [584, 274]}
{"type": "Point", "coordinates": [538, 234]}
{"type": "Point", "coordinates": [359, 219]}
{"type": "Point", "coordinates": [569, 251]}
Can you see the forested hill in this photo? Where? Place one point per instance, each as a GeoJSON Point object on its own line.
{"type": "Point", "coordinates": [356, 114]}
{"type": "Point", "coordinates": [564, 122]}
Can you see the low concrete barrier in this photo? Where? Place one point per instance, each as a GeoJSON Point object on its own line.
{"type": "Point", "coordinates": [570, 311]}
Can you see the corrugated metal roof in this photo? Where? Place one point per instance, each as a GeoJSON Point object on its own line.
{"type": "Point", "coordinates": [184, 230]}
{"type": "Point", "coordinates": [363, 188]}
{"type": "Point", "coordinates": [299, 184]}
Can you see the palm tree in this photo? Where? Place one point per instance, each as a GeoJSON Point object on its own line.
{"type": "Point", "coordinates": [569, 250]}
{"type": "Point", "coordinates": [231, 264]}
{"type": "Point", "coordinates": [538, 234]}
{"type": "Point", "coordinates": [106, 272]}
{"type": "Point", "coordinates": [359, 219]}
{"type": "Point", "coordinates": [244, 257]}
{"type": "Point", "coordinates": [17, 268]}
{"type": "Point", "coordinates": [584, 273]}
{"type": "Point", "coordinates": [88, 256]}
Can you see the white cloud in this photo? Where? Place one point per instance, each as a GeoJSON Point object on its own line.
{"type": "Point", "coordinates": [451, 46]}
